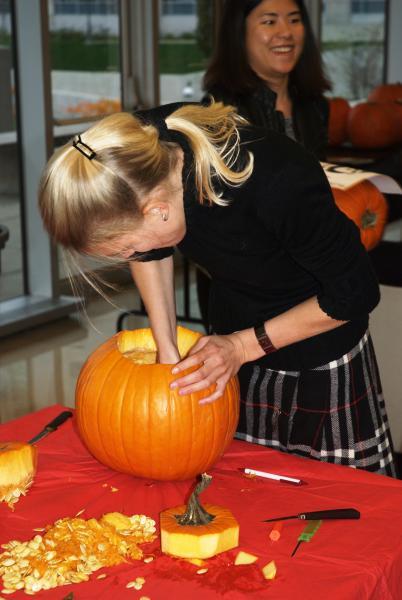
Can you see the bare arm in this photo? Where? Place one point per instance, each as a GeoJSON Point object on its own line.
{"type": "Point", "coordinates": [155, 282]}
{"type": "Point", "coordinates": [223, 355]}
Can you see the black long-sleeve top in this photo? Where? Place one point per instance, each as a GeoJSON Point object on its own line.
{"type": "Point", "coordinates": [279, 241]}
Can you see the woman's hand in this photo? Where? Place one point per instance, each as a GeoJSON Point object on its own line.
{"type": "Point", "coordinates": [220, 357]}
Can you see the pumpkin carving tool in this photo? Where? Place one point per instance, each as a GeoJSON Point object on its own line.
{"type": "Point", "coordinates": [52, 426]}
{"type": "Point", "coordinates": [307, 533]}
{"type": "Point", "coordinates": [337, 513]}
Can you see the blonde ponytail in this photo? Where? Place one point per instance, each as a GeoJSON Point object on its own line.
{"type": "Point", "coordinates": [92, 197]}
{"type": "Point", "coordinates": [214, 139]}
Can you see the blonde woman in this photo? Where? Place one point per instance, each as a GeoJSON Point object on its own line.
{"type": "Point", "coordinates": [292, 285]}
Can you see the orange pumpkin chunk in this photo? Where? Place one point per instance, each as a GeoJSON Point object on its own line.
{"type": "Point", "coordinates": [269, 571]}
{"type": "Point", "coordinates": [17, 470]}
{"type": "Point", "coordinates": [200, 541]}
{"type": "Point", "coordinates": [244, 558]}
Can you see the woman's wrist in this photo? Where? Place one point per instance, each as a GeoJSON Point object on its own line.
{"type": "Point", "coordinates": [251, 348]}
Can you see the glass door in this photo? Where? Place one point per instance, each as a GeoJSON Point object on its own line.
{"type": "Point", "coordinates": [85, 66]}
{"type": "Point", "coordinates": [11, 247]}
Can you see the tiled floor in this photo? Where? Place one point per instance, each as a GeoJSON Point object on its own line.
{"type": "Point", "coordinates": [40, 367]}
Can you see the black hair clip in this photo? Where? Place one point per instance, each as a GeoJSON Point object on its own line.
{"type": "Point", "coordinates": [83, 148]}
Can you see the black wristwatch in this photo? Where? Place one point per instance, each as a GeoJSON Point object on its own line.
{"type": "Point", "coordinates": [263, 339]}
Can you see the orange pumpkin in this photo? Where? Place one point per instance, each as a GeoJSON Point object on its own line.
{"type": "Point", "coordinates": [388, 92]}
{"type": "Point", "coordinates": [372, 125]}
{"type": "Point", "coordinates": [367, 207]}
{"type": "Point", "coordinates": [133, 422]}
{"type": "Point", "coordinates": [391, 94]}
{"type": "Point", "coordinates": [338, 121]}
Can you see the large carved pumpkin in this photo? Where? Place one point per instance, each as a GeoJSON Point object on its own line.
{"type": "Point", "coordinates": [372, 125]}
{"type": "Point", "coordinates": [131, 420]}
{"type": "Point", "coordinates": [338, 121]}
{"type": "Point", "coordinates": [367, 207]}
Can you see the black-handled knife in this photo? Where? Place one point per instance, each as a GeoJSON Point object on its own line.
{"type": "Point", "coordinates": [337, 513]}
{"type": "Point", "coordinates": [52, 426]}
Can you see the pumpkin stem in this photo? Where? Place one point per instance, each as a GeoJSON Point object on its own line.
{"type": "Point", "coordinates": [369, 219]}
{"type": "Point", "coordinates": [195, 514]}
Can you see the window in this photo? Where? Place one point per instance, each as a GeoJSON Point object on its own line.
{"type": "Point", "coordinates": [368, 7]}
{"type": "Point", "coordinates": [353, 45]}
{"type": "Point", "coordinates": [85, 58]}
{"type": "Point", "coordinates": [82, 7]}
{"type": "Point", "coordinates": [185, 46]}
{"type": "Point", "coordinates": [178, 7]}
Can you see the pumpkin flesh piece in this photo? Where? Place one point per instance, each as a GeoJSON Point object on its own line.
{"type": "Point", "coordinates": [17, 469]}
{"type": "Point", "coordinates": [198, 541]}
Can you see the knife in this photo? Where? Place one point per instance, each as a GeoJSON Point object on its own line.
{"type": "Point", "coordinates": [52, 426]}
{"type": "Point", "coordinates": [337, 513]}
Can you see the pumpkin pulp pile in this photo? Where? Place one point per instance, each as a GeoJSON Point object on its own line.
{"type": "Point", "coordinates": [71, 549]}
{"type": "Point", "coordinates": [193, 531]}
{"type": "Point", "coordinates": [17, 470]}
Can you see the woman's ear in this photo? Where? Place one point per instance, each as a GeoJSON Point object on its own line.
{"type": "Point", "coordinates": [158, 209]}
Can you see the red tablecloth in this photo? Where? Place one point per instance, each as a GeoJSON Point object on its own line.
{"type": "Point", "coordinates": [346, 560]}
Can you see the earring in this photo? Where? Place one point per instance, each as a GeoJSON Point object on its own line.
{"type": "Point", "coordinates": [165, 217]}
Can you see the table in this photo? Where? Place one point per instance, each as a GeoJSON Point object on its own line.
{"type": "Point", "coordinates": [346, 560]}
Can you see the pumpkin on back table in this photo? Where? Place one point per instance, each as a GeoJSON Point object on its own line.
{"type": "Point", "coordinates": [339, 109]}
{"type": "Point", "coordinates": [372, 125]}
{"type": "Point", "coordinates": [364, 204]}
{"type": "Point", "coordinates": [131, 420]}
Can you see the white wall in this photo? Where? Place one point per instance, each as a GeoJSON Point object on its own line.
{"type": "Point", "coordinates": [386, 331]}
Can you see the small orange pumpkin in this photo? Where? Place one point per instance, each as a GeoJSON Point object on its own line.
{"type": "Point", "coordinates": [338, 121]}
{"type": "Point", "coordinates": [387, 92]}
{"type": "Point", "coordinates": [131, 420]}
{"type": "Point", "coordinates": [372, 125]}
{"type": "Point", "coordinates": [391, 94]}
{"type": "Point", "coordinates": [366, 206]}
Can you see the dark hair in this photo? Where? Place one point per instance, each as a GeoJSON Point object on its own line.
{"type": "Point", "coordinates": [229, 67]}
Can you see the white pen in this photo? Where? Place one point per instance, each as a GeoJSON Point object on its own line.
{"type": "Point", "coordinates": [274, 476]}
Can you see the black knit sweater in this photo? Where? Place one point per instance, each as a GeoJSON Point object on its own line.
{"type": "Point", "coordinates": [280, 241]}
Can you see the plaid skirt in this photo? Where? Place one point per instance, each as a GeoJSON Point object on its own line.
{"type": "Point", "coordinates": [334, 413]}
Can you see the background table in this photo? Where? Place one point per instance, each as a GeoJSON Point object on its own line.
{"type": "Point", "coordinates": [346, 560]}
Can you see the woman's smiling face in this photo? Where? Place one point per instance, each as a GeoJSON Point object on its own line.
{"type": "Point", "coordinates": [274, 38]}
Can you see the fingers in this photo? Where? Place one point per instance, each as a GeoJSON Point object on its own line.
{"type": "Point", "coordinates": [197, 380]}
{"type": "Point", "coordinates": [217, 392]}
{"type": "Point", "coordinates": [194, 358]}
{"type": "Point", "coordinates": [220, 388]}
{"type": "Point", "coordinates": [217, 362]}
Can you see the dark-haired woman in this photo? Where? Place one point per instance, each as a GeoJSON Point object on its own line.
{"type": "Point", "coordinates": [267, 64]}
